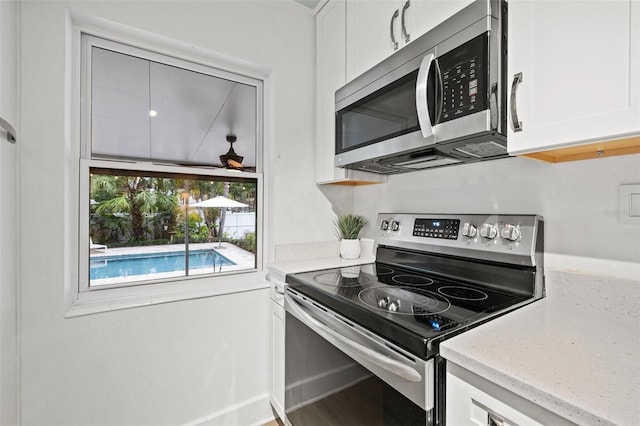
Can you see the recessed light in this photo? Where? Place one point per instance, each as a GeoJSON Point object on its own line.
{"type": "Point", "coordinates": [153, 113]}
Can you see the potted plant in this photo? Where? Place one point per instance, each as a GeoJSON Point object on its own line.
{"type": "Point", "coordinates": [348, 229]}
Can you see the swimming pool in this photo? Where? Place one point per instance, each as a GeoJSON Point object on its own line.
{"type": "Point", "coordinates": [153, 263]}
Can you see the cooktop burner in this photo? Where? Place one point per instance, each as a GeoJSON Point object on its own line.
{"type": "Point", "coordinates": [345, 277]}
{"type": "Point", "coordinates": [404, 300]}
{"type": "Point", "coordinates": [462, 293]}
{"type": "Point", "coordinates": [383, 270]}
{"type": "Point", "coordinates": [411, 280]}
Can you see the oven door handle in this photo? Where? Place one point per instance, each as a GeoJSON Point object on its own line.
{"type": "Point", "coordinates": [350, 347]}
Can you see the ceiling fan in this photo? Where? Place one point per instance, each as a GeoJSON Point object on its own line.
{"type": "Point", "coordinates": [231, 160]}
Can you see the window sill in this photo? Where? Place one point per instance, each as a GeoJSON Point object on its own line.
{"type": "Point", "coordinates": [98, 301]}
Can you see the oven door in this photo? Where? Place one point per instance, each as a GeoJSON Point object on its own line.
{"type": "Point", "coordinates": [339, 373]}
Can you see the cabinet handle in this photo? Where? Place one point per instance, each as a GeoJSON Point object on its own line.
{"type": "Point", "coordinates": [11, 133]}
{"type": "Point", "coordinates": [493, 420]}
{"type": "Point", "coordinates": [403, 27]}
{"type": "Point", "coordinates": [278, 291]}
{"type": "Point", "coordinates": [517, 124]}
{"type": "Point", "coordinates": [394, 43]}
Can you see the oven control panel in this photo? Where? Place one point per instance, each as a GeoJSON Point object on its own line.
{"type": "Point", "coordinates": [504, 238]}
{"type": "Point", "coordinates": [436, 228]}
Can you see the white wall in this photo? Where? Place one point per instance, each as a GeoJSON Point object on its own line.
{"type": "Point", "coordinates": [578, 200]}
{"type": "Point", "coordinates": [8, 235]}
{"type": "Point", "coordinates": [178, 362]}
{"type": "Point", "coordinates": [8, 284]}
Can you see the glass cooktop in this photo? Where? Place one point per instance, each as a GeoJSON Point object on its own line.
{"type": "Point", "coordinates": [412, 309]}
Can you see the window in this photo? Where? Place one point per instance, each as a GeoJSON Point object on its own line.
{"type": "Point", "coordinates": [170, 172]}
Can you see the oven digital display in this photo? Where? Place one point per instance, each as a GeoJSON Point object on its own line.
{"type": "Point", "coordinates": [437, 228]}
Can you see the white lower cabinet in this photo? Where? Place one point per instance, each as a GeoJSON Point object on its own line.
{"type": "Point", "coordinates": [473, 400]}
{"type": "Point", "coordinates": [277, 315]}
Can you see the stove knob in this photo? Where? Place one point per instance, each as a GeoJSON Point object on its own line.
{"type": "Point", "coordinates": [395, 225]}
{"type": "Point", "coordinates": [384, 225]}
{"type": "Point", "coordinates": [510, 232]}
{"type": "Point", "coordinates": [469, 230]}
{"type": "Point", "coordinates": [488, 231]}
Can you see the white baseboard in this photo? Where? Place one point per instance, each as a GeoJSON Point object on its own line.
{"type": "Point", "coordinates": [252, 412]}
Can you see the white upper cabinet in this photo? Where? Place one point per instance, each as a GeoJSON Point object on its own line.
{"type": "Point", "coordinates": [330, 76]}
{"type": "Point", "coordinates": [372, 28]}
{"type": "Point", "coordinates": [580, 76]}
{"type": "Point", "coordinates": [8, 66]}
{"type": "Point", "coordinates": [377, 28]}
{"type": "Point", "coordinates": [331, 65]}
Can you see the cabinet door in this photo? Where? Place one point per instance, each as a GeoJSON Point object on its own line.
{"type": "Point", "coordinates": [369, 27]}
{"type": "Point", "coordinates": [330, 76]}
{"type": "Point", "coordinates": [422, 15]}
{"type": "Point", "coordinates": [276, 313]}
{"type": "Point", "coordinates": [580, 72]}
{"type": "Point", "coordinates": [467, 405]}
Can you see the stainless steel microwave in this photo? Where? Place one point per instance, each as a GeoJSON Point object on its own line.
{"type": "Point", "coordinates": [439, 101]}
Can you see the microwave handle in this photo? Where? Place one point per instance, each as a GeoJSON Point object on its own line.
{"type": "Point", "coordinates": [422, 95]}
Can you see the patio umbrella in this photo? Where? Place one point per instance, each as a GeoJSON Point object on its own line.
{"type": "Point", "coordinates": [219, 202]}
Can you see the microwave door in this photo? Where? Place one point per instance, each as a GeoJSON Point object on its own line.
{"type": "Point", "coordinates": [428, 94]}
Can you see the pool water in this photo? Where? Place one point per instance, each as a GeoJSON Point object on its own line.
{"type": "Point", "coordinates": [152, 263]}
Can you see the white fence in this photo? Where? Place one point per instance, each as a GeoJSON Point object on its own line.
{"type": "Point", "coordinates": [238, 224]}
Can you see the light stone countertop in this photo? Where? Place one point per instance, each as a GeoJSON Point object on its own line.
{"type": "Point", "coordinates": [575, 353]}
{"type": "Point", "coordinates": [294, 258]}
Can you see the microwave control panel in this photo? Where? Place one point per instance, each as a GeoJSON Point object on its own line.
{"type": "Point", "coordinates": [464, 79]}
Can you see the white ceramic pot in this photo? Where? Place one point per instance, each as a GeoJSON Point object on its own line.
{"type": "Point", "coordinates": [349, 249]}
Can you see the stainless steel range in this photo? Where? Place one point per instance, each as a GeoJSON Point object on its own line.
{"type": "Point", "coordinates": [362, 343]}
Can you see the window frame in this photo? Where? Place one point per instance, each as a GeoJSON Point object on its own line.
{"type": "Point", "coordinates": [87, 164]}
{"type": "Point", "coordinates": [83, 32]}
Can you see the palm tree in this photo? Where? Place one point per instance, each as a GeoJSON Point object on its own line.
{"type": "Point", "coordinates": [137, 196]}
